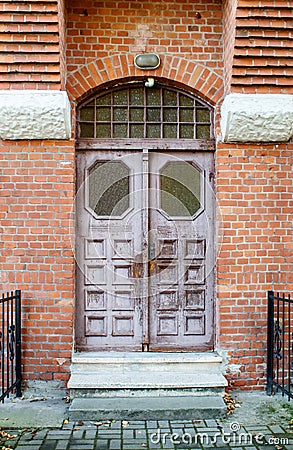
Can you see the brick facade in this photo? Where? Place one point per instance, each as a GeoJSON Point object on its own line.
{"type": "Point", "coordinates": [255, 254]}
{"type": "Point", "coordinates": [36, 249]}
{"type": "Point", "coordinates": [211, 47]}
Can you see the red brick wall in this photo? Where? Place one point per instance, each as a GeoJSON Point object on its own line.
{"type": "Point", "coordinates": [190, 30]}
{"type": "Point", "coordinates": [255, 209]}
{"type": "Point", "coordinates": [29, 43]}
{"type": "Point", "coordinates": [37, 180]}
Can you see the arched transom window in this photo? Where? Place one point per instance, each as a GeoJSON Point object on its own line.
{"type": "Point", "coordinates": [140, 112]}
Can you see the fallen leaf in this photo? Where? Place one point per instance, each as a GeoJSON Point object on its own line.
{"type": "Point", "coordinates": [11, 436]}
{"type": "Point", "coordinates": [125, 423]}
{"type": "Point", "coordinates": [66, 421]}
{"type": "Point", "coordinates": [98, 424]}
{"type": "Point", "coordinates": [230, 403]}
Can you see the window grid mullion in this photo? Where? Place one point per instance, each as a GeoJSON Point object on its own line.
{"type": "Point", "coordinates": [163, 121]}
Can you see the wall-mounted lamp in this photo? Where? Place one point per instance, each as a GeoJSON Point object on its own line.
{"type": "Point", "coordinates": [147, 61]}
{"type": "Point", "coordinates": [150, 83]}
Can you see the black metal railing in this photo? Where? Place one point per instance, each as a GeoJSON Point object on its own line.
{"type": "Point", "coordinates": [280, 344]}
{"type": "Point", "coordinates": [10, 344]}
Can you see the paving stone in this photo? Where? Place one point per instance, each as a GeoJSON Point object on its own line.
{"type": "Point", "coordinates": [211, 423]}
{"type": "Point", "coordinates": [83, 441]}
{"type": "Point", "coordinates": [90, 434]}
{"type": "Point", "coordinates": [275, 429]}
{"type": "Point", "coordinates": [81, 446]}
{"type": "Point", "coordinates": [58, 436]}
{"type": "Point", "coordinates": [189, 427]}
{"type": "Point", "coordinates": [141, 434]}
{"type": "Point", "coordinates": [10, 443]}
{"type": "Point", "coordinates": [154, 430]}
{"type": "Point", "coordinates": [41, 434]}
{"type": "Point", "coordinates": [77, 434]}
{"type": "Point", "coordinates": [68, 426]}
{"type": "Point", "coordinates": [128, 434]}
{"type": "Point", "coordinates": [101, 445]}
{"type": "Point", "coordinates": [151, 445]}
{"type": "Point", "coordinates": [35, 442]}
{"type": "Point", "coordinates": [109, 435]}
{"type": "Point", "coordinates": [265, 447]}
{"type": "Point", "coordinates": [257, 428]}
{"type": "Point", "coordinates": [115, 445]}
{"type": "Point", "coordinates": [164, 423]}
{"type": "Point", "coordinates": [62, 445]}
{"type": "Point", "coordinates": [30, 447]}
{"type": "Point", "coordinates": [25, 438]}
{"type": "Point", "coordinates": [152, 424]}
{"type": "Point", "coordinates": [134, 446]}
{"type": "Point", "coordinates": [48, 445]}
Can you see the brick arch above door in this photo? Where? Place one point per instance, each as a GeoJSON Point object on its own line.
{"type": "Point", "coordinates": [205, 82]}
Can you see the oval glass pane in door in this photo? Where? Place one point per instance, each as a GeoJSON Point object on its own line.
{"type": "Point", "coordinates": [109, 188]}
{"type": "Point", "coordinates": [180, 189]}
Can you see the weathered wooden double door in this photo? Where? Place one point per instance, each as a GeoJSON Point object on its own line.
{"type": "Point", "coordinates": [144, 250]}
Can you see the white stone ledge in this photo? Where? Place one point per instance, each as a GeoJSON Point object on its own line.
{"type": "Point", "coordinates": [32, 114]}
{"type": "Point", "coordinates": [257, 118]}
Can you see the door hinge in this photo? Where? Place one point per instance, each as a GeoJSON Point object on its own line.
{"type": "Point", "coordinates": [145, 347]}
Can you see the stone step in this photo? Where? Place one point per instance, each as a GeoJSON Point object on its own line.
{"type": "Point", "coordinates": [144, 361]}
{"type": "Point", "coordinates": [128, 374]}
{"type": "Point", "coordinates": [147, 408]}
{"type": "Point", "coordinates": [146, 380]}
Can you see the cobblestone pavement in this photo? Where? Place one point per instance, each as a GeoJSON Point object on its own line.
{"type": "Point", "coordinates": [137, 435]}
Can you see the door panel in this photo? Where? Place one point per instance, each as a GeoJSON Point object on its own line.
{"type": "Point", "coordinates": [109, 241]}
{"type": "Point", "coordinates": [144, 251]}
{"type": "Point", "coordinates": [181, 267]}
